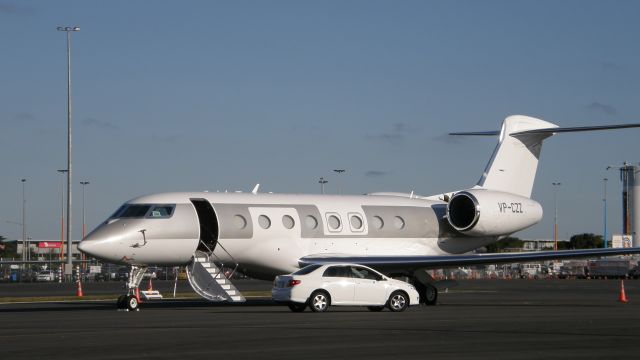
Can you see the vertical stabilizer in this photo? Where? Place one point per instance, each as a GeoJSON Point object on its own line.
{"type": "Point", "coordinates": [514, 162]}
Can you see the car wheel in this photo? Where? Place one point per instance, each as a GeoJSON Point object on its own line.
{"type": "Point", "coordinates": [319, 301]}
{"type": "Point", "coordinates": [430, 295]}
{"type": "Point", "coordinates": [375, 308]}
{"type": "Point", "coordinates": [296, 307]}
{"type": "Point", "coordinates": [398, 301]}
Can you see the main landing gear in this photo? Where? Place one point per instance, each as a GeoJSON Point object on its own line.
{"type": "Point", "coordinates": [423, 283]}
{"type": "Point", "coordinates": [130, 301]}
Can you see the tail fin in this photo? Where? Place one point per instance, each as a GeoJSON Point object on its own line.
{"type": "Point", "coordinates": [514, 162]}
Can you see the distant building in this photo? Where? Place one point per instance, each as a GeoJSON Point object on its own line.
{"type": "Point", "coordinates": [539, 244]}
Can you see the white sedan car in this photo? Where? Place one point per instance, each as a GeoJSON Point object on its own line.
{"type": "Point", "coordinates": [319, 286]}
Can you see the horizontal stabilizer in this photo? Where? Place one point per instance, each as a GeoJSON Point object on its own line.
{"type": "Point", "coordinates": [550, 131]}
{"type": "Point", "coordinates": [399, 263]}
{"type": "Point", "coordinates": [575, 129]}
{"type": "Point", "coordinates": [513, 165]}
{"type": "Point", "coordinates": [477, 133]}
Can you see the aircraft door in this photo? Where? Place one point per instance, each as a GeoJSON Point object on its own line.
{"type": "Point", "coordinates": [208, 224]}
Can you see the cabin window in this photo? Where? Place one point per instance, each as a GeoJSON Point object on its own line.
{"type": "Point", "coordinates": [264, 221]}
{"type": "Point", "coordinates": [288, 222]}
{"type": "Point", "coordinates": [311, 222]}
{"type": "Point", "coordinates": [377, 222]}
{"type": "Point", "coordinates": [240, 221]}
{"type": "Point", "coordinates": [356, 222]}
{"type": "Point", "coordinates": [398, 222]}
{"type": "Point", "coordinates": [334, 222]}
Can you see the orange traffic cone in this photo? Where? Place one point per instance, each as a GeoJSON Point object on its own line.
{"type": "Point", "coordinates": [138, 294]}
{"type": "Point", "coordinates": [79, 290]}
{"type": "Point", "coordinates": [150, 285]}
{"type": "Point", "coordinates": [623, 297]}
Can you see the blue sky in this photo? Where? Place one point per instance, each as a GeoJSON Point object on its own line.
{"type": "Point", "coordinates": [215, 95]}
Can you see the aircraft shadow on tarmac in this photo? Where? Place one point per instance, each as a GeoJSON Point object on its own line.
{"type": "Point", "coordinates": [90, 305]}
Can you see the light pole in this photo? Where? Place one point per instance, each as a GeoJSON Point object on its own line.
{"type": "Point", "coordinates": [62, 172]}
{"type": "Point", "coordinates": [69, 265]}
{"type": "Point", "coordinates": [322, 181]}
{"type": "Point", "coordinates": [555, 217]}
{"type": "Point", "coordinates": [604, 200]}
{"type": "Point", "coordinates": [83, 183]}
{"type": "Point", "coordinates": [624, 177]}
{"type": "Point", "coordinates": [24, 223]}
{"type": "Point", "coordinates": [339, 171]}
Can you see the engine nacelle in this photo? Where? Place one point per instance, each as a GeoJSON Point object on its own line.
{"type": "Point", "coordinates": [478, 212]}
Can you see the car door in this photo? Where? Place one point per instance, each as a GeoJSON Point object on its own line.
{"type": "Point", "coordinates": [338, 282]}
{"type": "Point", "coordinates": [370, 287]}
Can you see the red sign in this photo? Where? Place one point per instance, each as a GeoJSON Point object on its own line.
{"type": "Point", "coordinates": [50, 244]}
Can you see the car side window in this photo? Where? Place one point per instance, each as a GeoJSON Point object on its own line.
{"type": "Point", "coordinates": [337, 271]}
{"type": "Point", "coordinates": [362, 273]}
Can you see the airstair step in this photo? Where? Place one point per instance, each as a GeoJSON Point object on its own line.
{"type": "Point", "coordinates": [151, 295]}
{"type": "Point", "coordinates": [208, 281]}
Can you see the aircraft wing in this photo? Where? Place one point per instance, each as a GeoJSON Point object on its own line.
{"type": "Point", "coordinates": [410, 263]}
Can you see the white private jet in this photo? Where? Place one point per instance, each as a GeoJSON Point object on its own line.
{"type": "Point", "coordinates": [265, 235]}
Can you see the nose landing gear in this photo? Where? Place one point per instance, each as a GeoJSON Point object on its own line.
{"type": "Point", "coordinates": [130, 301]}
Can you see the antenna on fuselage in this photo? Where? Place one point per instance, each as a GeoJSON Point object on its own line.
{"type": "Point", "coordinates": [255, 189]}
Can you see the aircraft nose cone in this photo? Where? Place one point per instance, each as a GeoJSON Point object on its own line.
{"type": "Point", "coordinates": [90, 247]}
{"type": "Point", "coordinates": [84, 246]}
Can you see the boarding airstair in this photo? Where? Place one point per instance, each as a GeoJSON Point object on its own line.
{"type": "Point", "coordinates": [208, 281]}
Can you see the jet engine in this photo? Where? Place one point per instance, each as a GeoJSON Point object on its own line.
{"type": "Point", "coordinates": [481, 212]}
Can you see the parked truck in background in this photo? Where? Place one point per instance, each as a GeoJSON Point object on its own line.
{"type": "Point", "coordinates": [609, 269]}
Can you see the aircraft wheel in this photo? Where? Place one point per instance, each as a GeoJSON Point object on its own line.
{"type": "Point", "coordinates": [132, 303]}
{"type": "Point", "coordinates": [430, 295]}
{"type": "Point", "coordinates": [319, 301]}
{"type": "Point", "coordinates": [296, 307]}
{"type": "Point", "coordinates": [121, 302]}
{"type": "Point", "coordinates": [398, 301]}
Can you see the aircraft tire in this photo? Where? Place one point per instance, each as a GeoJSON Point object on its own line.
{"type": "Point", "coordinates": [132, 303]}
{"type": "Point", "coordinates": [121, 302]}
{"type": "Point", "coordinates": [430, 295]}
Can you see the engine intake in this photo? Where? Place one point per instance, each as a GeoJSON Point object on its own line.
{"type": "Point", "coordinates": [480, 212]}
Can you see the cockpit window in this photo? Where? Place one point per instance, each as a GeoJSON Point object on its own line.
{"type": "Point", "coordinates": [139, 211]}
{"type": "Point", "coordinates": [161, 211]}
{"type": "Point", "coordinates": [134, 211]}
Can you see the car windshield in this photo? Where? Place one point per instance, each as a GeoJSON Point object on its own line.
{"type": "Point", "coordinates": [307, 269]}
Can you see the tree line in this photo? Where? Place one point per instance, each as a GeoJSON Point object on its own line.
{"type": "Point", "coordinates": [578, 241]}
